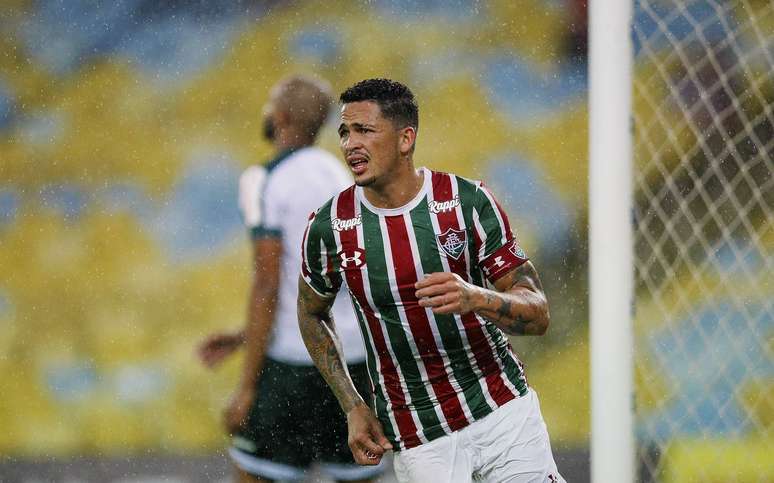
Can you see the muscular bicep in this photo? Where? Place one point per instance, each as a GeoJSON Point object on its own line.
{"type": "Point", "coordinates": [310, 303]}
{"type": "Point", "coordinates": [518, 305]}
{"type": "Point", "coordinates": [523, 276]}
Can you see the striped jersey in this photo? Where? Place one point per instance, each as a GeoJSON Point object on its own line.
{"type": "Point", "coordinates": [432, 374]}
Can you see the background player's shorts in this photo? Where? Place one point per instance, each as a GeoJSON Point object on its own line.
{"type": "Point", "coordinates": [296, 421]}
{"type": "Point", "coordinates": [508, 445]}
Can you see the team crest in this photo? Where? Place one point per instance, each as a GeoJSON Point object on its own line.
{"type": "Point", "coordinates": [453, 242]}
{"type": "Point", "coordinates": [517, 251]}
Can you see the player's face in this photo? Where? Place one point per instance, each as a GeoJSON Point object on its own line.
{"type": "Point", "coordinates": [369, 142]}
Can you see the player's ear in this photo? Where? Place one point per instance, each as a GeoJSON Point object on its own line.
{"type": "Point", "coordinates": [407, 138]}
{"type": "Point", "coordinates": [281, 117]}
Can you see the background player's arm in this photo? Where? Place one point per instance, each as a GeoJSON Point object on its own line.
{"type": "Point", "coordinates": [260, 319]}
{"type": "Point", "coordinates": [218, 346]}
{"type": "Point", "coordinates": [518, 304]}
{"type": "Point", "coordinates": [366, 437]}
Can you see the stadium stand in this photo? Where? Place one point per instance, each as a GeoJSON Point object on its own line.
{"type": "Point", "coordinates": [123, 129]}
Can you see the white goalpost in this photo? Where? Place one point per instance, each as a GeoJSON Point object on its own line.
{"type": "Point", "coordinates": [681, 240]}
{"type": "Point", "coordinates": [610, 245]}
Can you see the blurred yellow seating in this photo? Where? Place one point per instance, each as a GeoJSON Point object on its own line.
{"type": "Point", "coordinates": [719, 461]}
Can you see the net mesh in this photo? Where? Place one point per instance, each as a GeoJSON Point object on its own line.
{"type": "Point", "coordinates": [703, 97]}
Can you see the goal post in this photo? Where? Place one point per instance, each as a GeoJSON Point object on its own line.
{"type": "Point", "coordinates": [681, 240]}
{"type": "Point", "coordinates": [610, 241]}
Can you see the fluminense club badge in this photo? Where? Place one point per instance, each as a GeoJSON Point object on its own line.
{"type": "Point", "coordinates": [453, 242]}
{"type": "Point", "coordinates": [517, 251]}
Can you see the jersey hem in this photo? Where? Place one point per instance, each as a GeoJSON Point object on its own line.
{"type": "Point", "coordinates": [400, 446]}
{"type": "Point", "coordinates": [325, 296]}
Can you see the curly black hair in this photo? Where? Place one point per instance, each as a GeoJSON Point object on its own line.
{"type": "Point", "coordinates": [396, 101]}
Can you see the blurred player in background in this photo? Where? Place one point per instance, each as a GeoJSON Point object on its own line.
{"type": "Point", "coordinates": [417, 249]}
{"type": "Point", "coordinates": [282, 416]}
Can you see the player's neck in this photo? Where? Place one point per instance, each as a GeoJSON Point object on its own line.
{"type": "Point", "coordinates": [400, 188]}
{"type": "Point", "coordinates": [289, 139]}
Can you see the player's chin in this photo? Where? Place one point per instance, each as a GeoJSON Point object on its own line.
{"type": "Point", "coordinates": [364, 180]}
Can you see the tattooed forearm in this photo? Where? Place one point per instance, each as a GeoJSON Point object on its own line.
{"type": "Point", "coordinates": [318, 332]}
{"type": "Point", "coordinates": [518, 306]}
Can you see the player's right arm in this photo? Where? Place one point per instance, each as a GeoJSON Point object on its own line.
{"type": "Point", "coordinates": [317, 288]}
{"type": "Point", "coordinates": [366, 436]}
{"type": "Point", "coordinates": [319, 334]}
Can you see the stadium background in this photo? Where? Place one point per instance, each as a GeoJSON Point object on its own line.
{"type": "Point", "coordinates": [123, 129]}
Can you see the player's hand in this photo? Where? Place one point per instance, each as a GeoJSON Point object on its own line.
{"type": "Point", "coordinates": [214, 349]}
{"type": "Point", "coordinates": [366, 437]}
{"type": "Point", "coordinates": [235, 414]}
{"type": "Point", "coordinates": [446, 293]}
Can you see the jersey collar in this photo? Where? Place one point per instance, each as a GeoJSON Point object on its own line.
{"type": "Point", "coordinates": [426, 183]}
{"type": "Point", "coordinates": [281, 156]}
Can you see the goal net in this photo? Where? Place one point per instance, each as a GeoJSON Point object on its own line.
{"type": "Point", "coordinates": [703, 96]}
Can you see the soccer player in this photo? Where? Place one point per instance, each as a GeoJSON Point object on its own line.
{"type": "Point", "coordinates": [283, 417]}
{"type": "Point", "coordinates": [437, 280]}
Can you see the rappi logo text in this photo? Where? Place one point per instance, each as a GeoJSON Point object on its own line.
{"type": "Point", "coordinates": [342, 225]}
{"type": "Point", "coordinates": [443, 206]}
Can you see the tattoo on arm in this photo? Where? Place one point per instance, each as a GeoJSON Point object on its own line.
{"type": "Point", "coordinates": [518, 305]}
{"type": "Point", "coordinates": [318, 332]}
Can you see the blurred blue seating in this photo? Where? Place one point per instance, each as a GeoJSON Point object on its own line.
{"type": "Point", "coordinates": [532, 202]}
{"type": "Point", "coordinates": [679, 23]}
{"type": "Point", "coordinates": [6, 104]}
{"type": "Point", "coordinates": [707, 358]}
{"type": "Point", "coordinates": [525, 93]}
{"type": "Point", "coordinates": [9, 205]}
{"type": "Point", "coordinates": [201, 214]}
{"type": "Point", "coordinates": [66, 199]}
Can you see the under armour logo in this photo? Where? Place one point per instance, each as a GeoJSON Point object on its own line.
{"type": "Point", "coordinates": [493, 266]}
{"type": "Point", "coordinates": [352, 258]}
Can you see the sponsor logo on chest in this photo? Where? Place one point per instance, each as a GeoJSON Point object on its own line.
{"type": "Point", "coordinates": [342, 225]}
{"type": "Point", "coordinates": [436, 207]}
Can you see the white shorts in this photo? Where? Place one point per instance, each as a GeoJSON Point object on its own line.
{"type": "Point", "coordinates": [509, 445]}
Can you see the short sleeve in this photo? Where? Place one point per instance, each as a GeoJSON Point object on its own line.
{"type": "Point", "coordinates": [498, 250]}
{"type": "Point", "coordinates": [258, 210]}
{"type": "Point", "coordinates": [317, 252]}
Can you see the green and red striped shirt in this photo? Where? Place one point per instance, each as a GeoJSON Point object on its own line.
{"type": "Point", "coordinates": [432, 374]}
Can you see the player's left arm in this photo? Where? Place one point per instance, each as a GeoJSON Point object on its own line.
{"type": "Point", "coordinates": [518, 304]}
